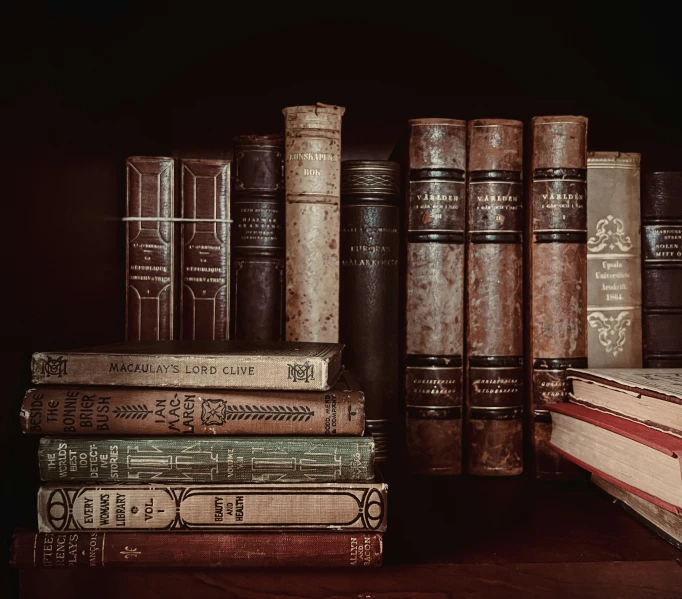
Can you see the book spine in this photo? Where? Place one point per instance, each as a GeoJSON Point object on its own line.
{"type": "Point", "coordinates": [434, 302]}
{"type": "Point", "coordinates": [216, 460]}
{"type": "Point", "coordinates": [662, 269]}
{"type": "Point", "coordinates": [137, 507]}
{"type": "Point", "coordinates": [370, 250]}
{"type": "Point", "coordinates": [494, 423]}
{"type": "Point", "coordinates": [205, 258]}
{"type": "Point", "coordinates": [216, 371]}
{"type": "Point", "coordinates": [69, 410]}
{"type": "Point", "coordinates": [557, 267]}
{"type": "Point", "coordinates": [312, 174]}
{"type": "Point", "coordinates": [150, 277]}
{"type": "Point", "coordinates": [614, 290]}
{"type": "Point", "coordinates": [196, 550]}
{"type": "Point", "coordinates": [258, 238]}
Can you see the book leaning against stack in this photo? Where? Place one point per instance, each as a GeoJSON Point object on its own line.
{"type": "Point", "coordinates": [258, 460]}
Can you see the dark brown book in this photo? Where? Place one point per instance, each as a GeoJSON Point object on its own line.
{"type": "Point", "coordinates": [205, 258]}
{"type": "Point", "coordinates": [434, 302]}
{"type": "Point", "coordinates": [370, 234]}
{"type": "Point", "coordinates": [557, 275]}
{"type": "Point", "coordinates": [662, 269]}
{"type": "Point", "coordinates": [196, 550]}
{"type": "Point", "coordinates": [150, 266]}
{"type": "Point", "coordinates": [494, 423]}
{"type": "Point", "coordinates": [258, 238]}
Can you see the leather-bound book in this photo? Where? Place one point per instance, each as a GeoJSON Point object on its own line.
{"type": "Point", "coordinates": [370, 233]}
{"type": "Point", "coordinates": [662, 269]}
{"type": "Point", "coordinates": [614, 280]}
{"type": "Point", "coordinates": [205, 303]}
{"type": "Point", "coordinates": [150, 265]}
{"type": "Point", "coordinates": [494, 423]}
{"type": "Point", "coordinates": [258, 238]}
{"type": "Point", "coordinates": [313, 176]}
{"type": "Point", "coordinates": [434, 303]}
{"type": "Point", "coordinates": [557, 268]}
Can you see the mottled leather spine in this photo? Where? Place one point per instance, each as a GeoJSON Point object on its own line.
{"type": "Point", "coordinates": [312, 176]}
{"type": "Point", "coordinates": [662, 269]}
{"type": "Point", "coordinates": [494, 402]}
{"type": "Point", "coordinates": [258, 238]}
{"type": "Point", "coordinates": [434, 303]}
{"type": "Point", "coordinates": [370, 250]}
{"type": "Point", "coordinates": [557, 269]}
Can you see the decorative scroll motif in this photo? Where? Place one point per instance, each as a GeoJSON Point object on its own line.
{"type": "Point", "coordinates": [612, 330]}
{"type": "Point", "coordinates": [610, 232]}
{"type": "Point", "coordinates": [130, 552]}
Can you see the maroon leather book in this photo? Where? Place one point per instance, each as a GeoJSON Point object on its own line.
{"type": "Point", "coordinates": [205, 249]}
{"type": "Point", "coordinates": [150, 281]}
{"type": "Point", "coordinates": [195, 550]}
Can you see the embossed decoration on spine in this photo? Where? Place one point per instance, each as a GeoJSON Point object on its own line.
{"type": "Point", "coordinates": [495, 396]}
{"type": "Point", "coordinates": [614, 296]}
{"type": "Point", "coordinates": [434, 303]}
{"type": "Point", "coordinates": [312, 175]}
{"type": "Point", "coordinates": [258, 238]}
{"type": "Point", "coordinates": [662, 269]}
{"type": "Point", "coordinates": [557, 266]}
{"type": "Point", "coordinates": [370, 229]}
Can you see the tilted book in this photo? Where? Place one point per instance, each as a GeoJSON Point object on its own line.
{"type": "Point", "coordinates": [208, 460]}
{"type": "Point", "coordinates": [215, 364]}
{"type": "Point", "coordinates": [181, 507]}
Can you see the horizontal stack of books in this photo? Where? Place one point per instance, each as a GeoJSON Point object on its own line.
{"type": "Point", "coordinates": [625, 427]}
{"type": "Point", "coordinates": [258, 460]}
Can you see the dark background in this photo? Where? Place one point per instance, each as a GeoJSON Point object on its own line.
{"type": "Point", "coordinates": [87, 84]}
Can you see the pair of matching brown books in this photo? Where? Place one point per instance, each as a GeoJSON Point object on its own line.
{"type": "Point", "coordinates": [133, 456]}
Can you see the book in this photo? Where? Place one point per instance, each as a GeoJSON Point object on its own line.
{"type": "Point", "coordinates": [369, 324]}
{"type": "Point", "coordinates": [665, 524]}
{"type": "Point", "coordinates": [639, 459]}
{"type": "Point", "coordinates": [147, 411]}
{"type": "Point", "coordinates": [205, 255]}
{"type": "Point", "coordinates": [557, 275]}
{"type": "Point", "coordinates": [87, 549]}
{"type": "Point", "coordinates": [434, 341]}
{"type": "Point", "coordinates": [495, 395]}
{"type": "Point", "coordinates": [652, 397]}
{"type": "Point", "coordinates": [258, 238]}
{"type": "Point", "coordinates": [214, 364]}
{"type": "Point", "coordinates": [150, 252]}
{"type": "Point", "coordinates": [312, 176]}
{"type": "Point", "coordinates": [614, 278]}
{"type": "Point", "coordinates": [183, 507]}
{"type": "Point", "coordinates": [662, 269]}
{"type": "Point", "coordinates": [213, 460]}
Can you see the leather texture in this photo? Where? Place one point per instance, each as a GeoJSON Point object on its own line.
{"type": "Point", "coordinates": [205, 305]}
{"type": "Point", "coordinates": [258, 235]}
{"type": "Point", "coordinates": [557, 266]}
{"type": "Point", "coordinates": [150, 276]}
{"type": "Point", "coordinates": [662, 269]}
{"type": "Point", "coordinates": [434, 301]}
{"type": "Point", "coordinates": [614, 289]}
{"type": "Point", "coordinates": [369, 323]}
{"type": "Point", "coordinates": [494, 415]}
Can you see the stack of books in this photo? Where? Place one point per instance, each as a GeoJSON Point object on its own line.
{"type": "Point", "coordinates": [258, 460]}
{"type": "Point", "coordinates": [625, 427]}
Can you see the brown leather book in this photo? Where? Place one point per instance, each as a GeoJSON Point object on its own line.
{"type": "Point", "coordinates": [370, 249]}
{"type": "Point", "coordinates": [614, 289]}
{"type": "Point", "coordinates": [313, 176]}
{"type": "Point", "coordinates": [494, 424]}
{"type": "Point", "coordinates": [662, 269]}
{"type": "Point", "coordinates": [196, 550]}
{"type": "Point", "coordinates": [434, 303]}
{"type": "Point", "coordinates": [258, 238]}
{"type": "Point", "coordinates": [205, 303]}
{"type": "Point", "coordinates": [557, 275]}
{"type": "Point", "coordinates": [150, 266]}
